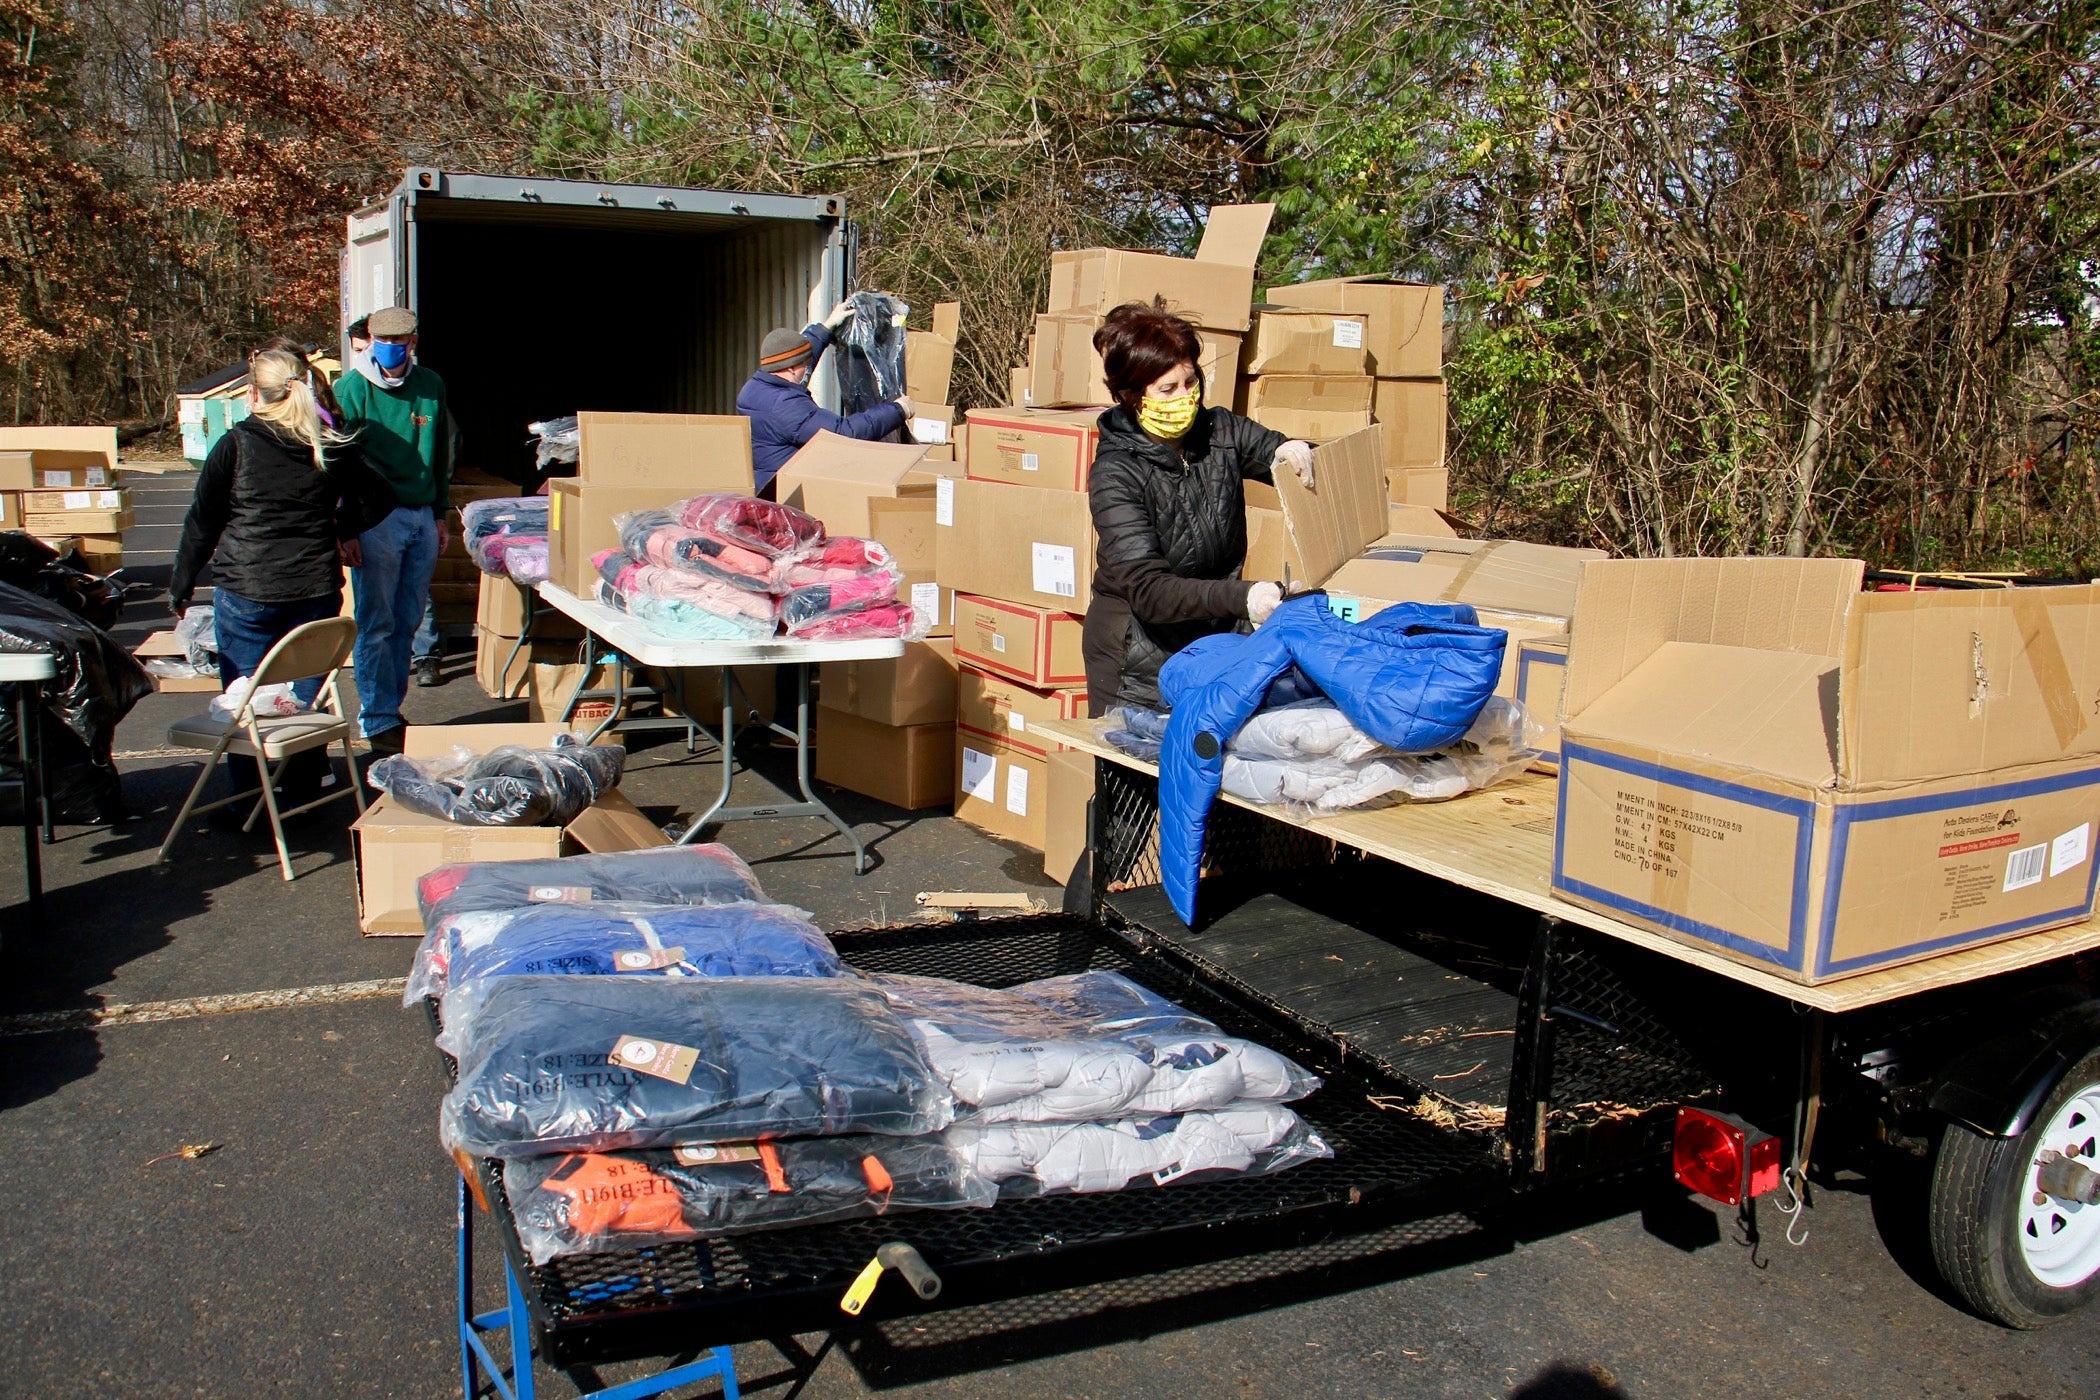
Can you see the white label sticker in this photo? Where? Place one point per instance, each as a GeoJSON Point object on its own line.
{"type": "Point", "coordinates": [1017, 721]}
{"type": "Point", "coordinates": [80, 500]}
{"type": "Point", "coordinates": [98, 476]}
{"type": "Point", "coordinates": [1055, 570]}
{"type": "Point", "coordinates": [977, 772]}
{"type": "Point", "coordinates": [1030, 462]}
{"type": "Point", "coordinates": [2024, 867]}
{"type": "Point", "coordinates": [1349, 335]}
{"type": "Point", "coordinates": [926, 602]}
{"type": "Point", "coordinates": [929, 430]}
{"type": "Point", "coordinates": [1017, 789]}
{"type": "Point", "coordinates": [2067, 852]}
{"type": "Point", "coordinates": [57, 480]}
{"type": "Point", "coordinates": [944, 501]}
{"type": "Point", "coordinates": [999, 641]}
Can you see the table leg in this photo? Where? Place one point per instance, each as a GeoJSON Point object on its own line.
{"type": "Point", "coordinates": [727, 743]}
{"type": "Point", "coordinates": [28, 700]}
{"type": "Point", "coordinates": [35, 773]}
{"type": "Point", "coordinates": [860, 852]}
{"type": "Point", "coordinates": [524, 636]}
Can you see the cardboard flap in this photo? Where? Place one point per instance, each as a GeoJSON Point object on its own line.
{"type": "Point", "coordinates": [1627, 608]}
{"type": "Point", "coordinates": [1344, 511]}
{"type": "Point", "coordinates": [1771, 712]}
{"type": "Point", "coordinates": [613, 823]}
{"type": "Point", "coordinates": [947, 319]}
{"type": "Point", "coordinates": [698, 451]}
{"type": "Point", "coordinates": [1233, 234]}
{"type": "Point", "coordinates": [1943, 684]}
{"type": "Point", "coordinates": [438, 740]}
{"type": "Point", "coordinates": [837, 458]}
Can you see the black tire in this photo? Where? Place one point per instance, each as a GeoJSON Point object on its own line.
{"type": "Point", "coordinates": [1974, 1218]}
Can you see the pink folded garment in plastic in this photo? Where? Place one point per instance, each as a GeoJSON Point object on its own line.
{"type": "Point", "coordinates": [763, 527]}
{"type": "Point", "coordinates": [840, 558]}
{"type": "Point", "coordinates": [630, 577]}
{"type": "Point", "coordinates": [820, 600]}
{"type": "Point", "coordinates": [881, 621]}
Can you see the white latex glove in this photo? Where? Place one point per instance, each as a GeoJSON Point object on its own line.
{"type": "Point", "coordinates": [904, 402]}
{"type": "Point", "coordinates": [1262, 600]}
{"type": "Point", "coordinates": [840, 315]}
{"type": "Point", "coordinates": [1298, 457]}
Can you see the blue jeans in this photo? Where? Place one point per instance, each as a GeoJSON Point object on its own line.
{"type": "Point", "coordinates": [248, 629]}
{"type": "Point", "coordinates": [428, 641]}
{"type": "Point", "coordinates": [391, 590]}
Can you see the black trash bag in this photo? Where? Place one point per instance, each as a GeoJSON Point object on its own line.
{"type": "Point", "coordinates": [83, 792]}
{"type": "Point", "coordinates": [34, 567]}
{"type": "Point", "coordinates": [870, 350]}
{"type": "Point", "coordinates": [507, 786]}
{"type": "Point", "coordinates": [97, 684]}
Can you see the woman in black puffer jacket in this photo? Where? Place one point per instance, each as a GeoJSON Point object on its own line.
{"type": "Point", "coordinates": [1169, 516]}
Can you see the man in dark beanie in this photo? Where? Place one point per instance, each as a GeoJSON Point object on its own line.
{"type": "Point", "coordinates": [783, 415]}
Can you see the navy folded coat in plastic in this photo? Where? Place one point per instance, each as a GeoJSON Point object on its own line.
{"type": "Point", "coordinates": [749, 1057]}
{"type": "Point", "coordinates": [708, 873]}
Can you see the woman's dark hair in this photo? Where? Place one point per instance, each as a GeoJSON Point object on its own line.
{"type": "Point", "coordinates": [1138, 343]}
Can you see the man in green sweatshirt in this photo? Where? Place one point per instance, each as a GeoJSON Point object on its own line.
{"type": "Point", "coordinates": [397, 409]}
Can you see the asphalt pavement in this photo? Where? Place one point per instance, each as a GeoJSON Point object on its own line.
{"type": "Point", "coordinates": [309, 1251]}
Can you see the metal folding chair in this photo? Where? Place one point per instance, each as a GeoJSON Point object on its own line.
{"type": "Point", "coordinates": [314, 649]}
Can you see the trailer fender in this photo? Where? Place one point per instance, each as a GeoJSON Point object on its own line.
{"type": "Point", "coordinates": [1996, 1088]}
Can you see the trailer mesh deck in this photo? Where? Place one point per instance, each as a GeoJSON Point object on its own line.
{"type": "Point", "coordinates": [1388, 1167]}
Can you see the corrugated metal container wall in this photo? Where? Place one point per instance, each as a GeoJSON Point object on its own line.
{"type": "Point", "coordinates": [750, 282]}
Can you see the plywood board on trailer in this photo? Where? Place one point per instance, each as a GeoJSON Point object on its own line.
{"type": "Point", "coordinates": [1500, 842]}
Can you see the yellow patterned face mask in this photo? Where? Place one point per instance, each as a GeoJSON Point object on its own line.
{"type": "Point", "coordinates": [1169, 418]}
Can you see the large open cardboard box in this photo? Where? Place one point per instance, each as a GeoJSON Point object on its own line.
{"type": "Point", "coordinates": [1761, 760]}
{"type": "Point", "coordinates": [393, 848]}
{"type": "Point", "coordinates": [834, 478]}
{"type": "Point", "coordinates": [1214, 289]}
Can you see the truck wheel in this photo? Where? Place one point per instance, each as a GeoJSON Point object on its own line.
{"type": "Point", "coordinates": [2015, 1252]}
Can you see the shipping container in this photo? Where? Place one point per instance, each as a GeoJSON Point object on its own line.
{"type": "Point", "coordinates": [538, 298]}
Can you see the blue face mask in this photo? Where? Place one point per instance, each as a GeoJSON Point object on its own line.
{"type": "Point", "coordinates": [389, 355]}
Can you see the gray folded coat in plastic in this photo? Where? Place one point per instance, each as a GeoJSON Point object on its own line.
{"type": "Point", "coordinates": [507, 786]}
{"type": "Point", "coordinates": [607, 1202]}
{"type": "Point", "coordinates": [592, 1064]}
{"type": "Point", "coordinates": [1047, 1159]}
{"type": "Point", "coordinates": [1088, 1046]}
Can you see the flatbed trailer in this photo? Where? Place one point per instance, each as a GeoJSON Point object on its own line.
{"type": "Point", "coordinates": [1482, 1045]}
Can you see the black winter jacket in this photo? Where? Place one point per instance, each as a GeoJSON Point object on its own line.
{"type": "Point", "coordinates": [270, 520]}
{"type": "Point", "coordinates": [1171, 529]}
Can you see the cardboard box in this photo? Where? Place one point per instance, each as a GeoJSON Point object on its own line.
{"type": "Point", "coordinates": [1214, 289]}
{"type": "Point", "coordinates": [1017, 385]}
{"type": "Point", "coordinates": [513, 681]}
{"type": "Point", "coordinates": [1017, 543]}
{"type": "Point", "coordinates": [1760, 760]}
{"type": "Point", "coordinates": [682, 453]}
{"type": "Point", "coordinates": [1404, 321]}
{"type": "Point", "coordinates": [78, 522]}
{"type": "Point", "coordinates": [392, 848]}
{"type": "Point", "coordinates": [500, 608]}
{"type": "Point", "coordinates": [1052, 448]}
{"type": "Point", "coordinates": [905, 528]}
{"type": "Point", "coordinates": [103, 554]}
{"type": "Point", "coordinates": [1542, 673]}
{"type": "Point", "coordinates": [1035, 646]}
{"type": "Point", "coordinates": [1419, 486]}
{"type": "Point", "coordinates": [1001, 788]}
{"type": "Point", "coordinates": [17, 472]}
{"type": "Point", "coordinates": [698, 690]}
{"type": "Point", "coordinates": [909, 766]}
{"type": "Point", "coordinates": [580, 524]}
{"type": "Point", "coordinates": [549, 684]}
{"type": "Point", "coordinates": [1316, 408]}
{"type": "Point", "coordinates": [10, 510]}
{"type": "Point", "coordinates": [994, 708]}
{"type": "Point", "coordinates": [166, 643]}
{"type": "Point", "coordinates": [834, 478]}
{"type": "Point", "coordinates": [1068, 787]}
{"type": "Point", "coordinates": [56, 469]}
{"type": "Point", "coordinates": [932, 426]}
{"type": "Point", "coordinates": [1065, 370]}
{"type": "Point", "coordinates": [1296, 340]}
{"type": "Point", "coordinates": [1413, 412]}
{"type": "Point", "coordinates": [929, 356]}
{"type": "Point", "coordinates": [915, 688]}
{"type": "Point", "coordinates": [59, 502]}
{"type": "Point", "coordinates": [84, 443]}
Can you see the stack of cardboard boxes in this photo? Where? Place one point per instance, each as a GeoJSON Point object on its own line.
{"type": "Point", "coordinates": [1404, 352]}
{"type": "Point", "coordinates": [60, 485]}
{"type": "Point", "coordinates": [1304, 372]}
{"type": "Point", "coordinates": [929, 371]}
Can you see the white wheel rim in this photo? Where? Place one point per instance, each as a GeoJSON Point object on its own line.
{"type": "Point", "coordinates": [2060, 1240]}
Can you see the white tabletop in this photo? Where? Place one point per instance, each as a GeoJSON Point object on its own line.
{"type": "Point", "coordinates": [27, 666]}
{"type": "Point", "coordinates": [651, 648]}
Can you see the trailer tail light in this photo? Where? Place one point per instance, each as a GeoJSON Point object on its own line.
{"type": "Point", "coordinates": [1722, 1157]}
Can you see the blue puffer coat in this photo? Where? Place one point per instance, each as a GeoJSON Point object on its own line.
{"type": "Point", "coordinates": [1412, 677]}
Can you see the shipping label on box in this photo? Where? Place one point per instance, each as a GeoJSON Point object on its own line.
{"type": "Point", "coordinates": [10, 510]}
{"type": "Point", "coordinates": [1404, 321]}
{"type": "Point", "coordinates": [1053, 449]}
{"type": "Point", "coordinates": [1035, 646]}
{"type": "Point", "coordinates": [1015, 543]}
